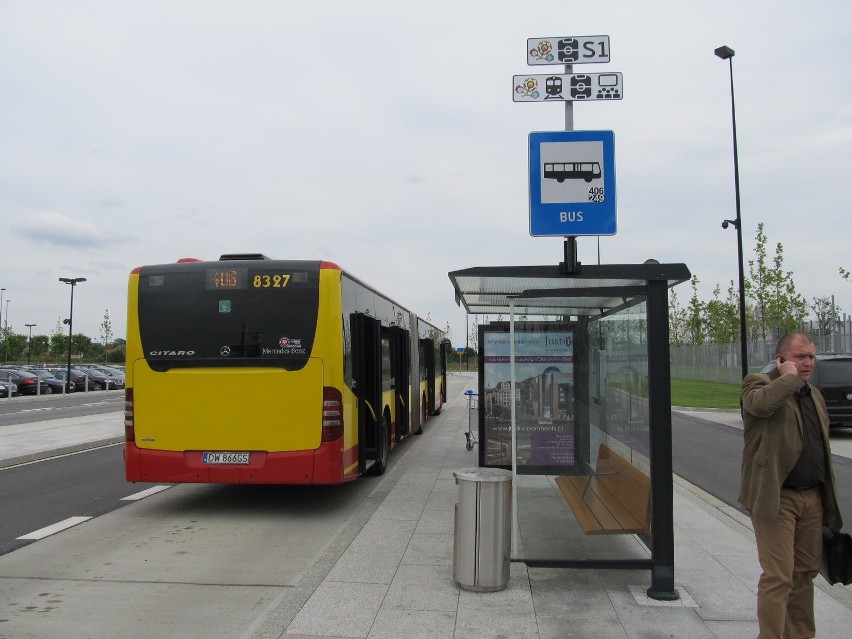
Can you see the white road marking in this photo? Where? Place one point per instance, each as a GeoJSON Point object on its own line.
{"type": "Point", "coordinates": [55, 528]}
{"type": "Point", "coordinates": [145, 493]}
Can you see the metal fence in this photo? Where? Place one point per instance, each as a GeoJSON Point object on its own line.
{"type": "Point", "coordinates": [721, 362]}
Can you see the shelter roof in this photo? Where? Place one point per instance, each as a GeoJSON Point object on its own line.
{"type": "Point", "coordinates": [594, 290]}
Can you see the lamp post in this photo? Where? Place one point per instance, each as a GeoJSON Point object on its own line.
{"type": "Point", "coordinates": [29, 341]}
{"type": "Point", "coordinates": [6, 333]}
{"type": "Point", "coordinates": [727, 53]}
{"type": "Point", "coordinates": [72, 281]}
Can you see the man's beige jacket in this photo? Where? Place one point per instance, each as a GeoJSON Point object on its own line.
{"type": "Point", "coordinates": [773, 433]}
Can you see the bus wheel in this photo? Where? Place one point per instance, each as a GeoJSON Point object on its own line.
{"type": "Point", "coordinates": [423, 411]}
{"type": "Point", "coordinates": [383, 447]}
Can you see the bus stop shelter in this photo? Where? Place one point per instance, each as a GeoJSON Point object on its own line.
{"type": "Point", "coordinates": [580, 377]}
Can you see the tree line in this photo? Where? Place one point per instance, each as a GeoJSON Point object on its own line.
{"type": "Point", "coordinates": [774, 305]}
{"type": "Point", "coordinates": [20, 348]}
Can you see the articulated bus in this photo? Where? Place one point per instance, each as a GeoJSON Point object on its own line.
{"type": "Point", "coordinates": [253, 370]}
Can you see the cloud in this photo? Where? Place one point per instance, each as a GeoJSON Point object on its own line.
{"type": "Point", "coordinates": [140, 133]}
{"type": "Point", "coordinates": [56, 229]}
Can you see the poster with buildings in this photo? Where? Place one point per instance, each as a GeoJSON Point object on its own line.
{"type": "Point", "coordinates": [544, 396]}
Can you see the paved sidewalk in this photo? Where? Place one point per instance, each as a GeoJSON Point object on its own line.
{"type": "Point", "coordinates": [21, 443]}
{"type": "Point", "coordinates": [407, 589]}
{"type": "Point", "coordinates": [389, 572]}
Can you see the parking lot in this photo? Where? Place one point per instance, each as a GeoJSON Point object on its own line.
{"type": "Point", "coordinates": [19, 380]}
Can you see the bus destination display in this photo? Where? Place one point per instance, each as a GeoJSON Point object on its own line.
{"type": "Point", "coordinates": [240, 278]}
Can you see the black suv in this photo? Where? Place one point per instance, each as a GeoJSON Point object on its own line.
{"type": "Point", "coordinates": [833, 376]}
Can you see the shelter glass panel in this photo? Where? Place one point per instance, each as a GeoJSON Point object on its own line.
{"type": "Point", "coordinates": [619, 381]}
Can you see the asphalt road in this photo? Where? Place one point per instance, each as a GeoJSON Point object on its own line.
{"type": "Point", "coordinates": [26, 410]}
{"type": "Point", "coordinates": [36, 495]}
{"type": "Point", "coordinates": [708, 455]}
{"type": "Point", "coordinates": [704, 453]}
{"type": "Point", "coordinates": [223, 552]}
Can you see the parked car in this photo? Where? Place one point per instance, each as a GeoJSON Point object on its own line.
{"type": "Point", "coordinates": [103, 378]}
{"type": "Point", "coordinates": [78, 377]}
{"type": "Point", "coordinates": [28, 384]}
{"type": "Point", "coordinates": [90, 379]}
{"type": "Point", "coordinates": [8, 389]}
{"type": "Point", "coordinates": [57, 385]}
{"type": "Point", "coordinates": [833, 376]}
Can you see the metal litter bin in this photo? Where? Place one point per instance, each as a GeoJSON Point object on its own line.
{"type": "Point", "coordinates": [483, 529]}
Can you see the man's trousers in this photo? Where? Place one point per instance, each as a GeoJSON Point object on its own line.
{"type": "Point", "coordinates": [790, 552]}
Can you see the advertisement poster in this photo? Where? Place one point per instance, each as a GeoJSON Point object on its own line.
{"type": "Point", "coordinates": [544, 397]}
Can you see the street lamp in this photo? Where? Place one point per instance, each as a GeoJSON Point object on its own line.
{"type": "Point", "coordinates": [727, 53]}
{"type": "Point", "coordinates": [6, 333]}
{"type": "Point", "coordinates": [5, 338]}
{"type": "Point", "coordinates": [72, 281]}
{"type": "Point", "coordinates": [29, 341]}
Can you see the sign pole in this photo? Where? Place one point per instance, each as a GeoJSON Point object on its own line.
{"type": "Point", "coordinates": [570, 266]}
{"type": "Point", "coordinates": [569, 104]}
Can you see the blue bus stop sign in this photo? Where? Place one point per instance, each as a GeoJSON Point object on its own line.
{"type": "Point", "coordinates": [572, 183]}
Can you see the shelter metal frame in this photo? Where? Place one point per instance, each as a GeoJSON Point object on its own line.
{"type": "Point", "coordinates": [593, 292]}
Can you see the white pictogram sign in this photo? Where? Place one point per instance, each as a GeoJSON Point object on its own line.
{"type": "Point", "coordinates": [568, 86]}
{"type": "Point", "coordinates": [568, 50]}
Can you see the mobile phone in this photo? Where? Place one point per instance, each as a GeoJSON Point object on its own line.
{"type": "Point", "coordinates": [782, 359]}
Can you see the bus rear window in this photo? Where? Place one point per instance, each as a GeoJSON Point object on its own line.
{"type": "Point", "coordinates": [228, 314]}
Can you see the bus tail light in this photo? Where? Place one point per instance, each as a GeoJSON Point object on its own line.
{"type": "Point", "coordinates": [332, 414]}
{"type": "Point", "coordinates": [129, 427]}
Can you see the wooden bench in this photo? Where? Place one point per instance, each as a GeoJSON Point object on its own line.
{"type": "Point", "coordinates": [615, 499]}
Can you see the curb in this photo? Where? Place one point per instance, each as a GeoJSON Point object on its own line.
{"type": "Point", "coordinates": [58, 452]}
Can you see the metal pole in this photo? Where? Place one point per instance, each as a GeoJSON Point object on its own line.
{"type": "Point", "coordinates": [466, 342]}
{"type": "Point", "coordinates": [71, 281]}
{"type": "Point", "coordinates": [660, 418]}
{"type": "Point", "coordinates": [515, 527]}
{"type": "Point", "coordinates": [29, 341]}
{"type": "Point", "coordinates": [726, 53]}
{"type": "Point", "coordinates": [743, 334]}
{"type": "Point", "coordinates": [833, 325]}
{"type": "Point", "coordinates": [6, 334]}
{"type": "Point", "coordinates": [70, 325]}
{"type": "Point", "coordinates": [570, 267]}
{"type": "Point", "coordinates": [3, 331]}
{"type": "Point", "coordinates": [569, 104]}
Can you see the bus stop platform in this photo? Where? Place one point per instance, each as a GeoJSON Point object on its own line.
{"type": "Point", "coordinates": [411, 593]}
{"type": "Point", "coordinates": [388, 573]}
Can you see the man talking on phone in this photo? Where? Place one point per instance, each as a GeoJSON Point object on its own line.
{"type": "Point", "coordinates": [788, 486]}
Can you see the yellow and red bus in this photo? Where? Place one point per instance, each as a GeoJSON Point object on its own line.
{"type": "Point", "coordinates": [254, 370]}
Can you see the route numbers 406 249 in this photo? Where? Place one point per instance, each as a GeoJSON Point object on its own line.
{"type": "Point", "coordinates": [596, 194]}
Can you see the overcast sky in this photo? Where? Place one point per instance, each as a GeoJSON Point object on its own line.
{"type": "Point", "coordinates": [382, 135]}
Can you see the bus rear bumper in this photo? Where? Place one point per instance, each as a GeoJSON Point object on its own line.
{"type": "Point", "coordinates": [321, 466]}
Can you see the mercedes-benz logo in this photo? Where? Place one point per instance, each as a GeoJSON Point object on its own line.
{"type": "Point", "coordinates": [225, 351]}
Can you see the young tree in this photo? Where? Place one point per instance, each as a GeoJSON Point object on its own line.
{"type": "Point", "coordinates": [58, 340]}
{"type": "Point", "coordinates": [13, 346]}
{"type": "Point", "coordinates": [756, 286]}
{"type": "Point", "coordinates": [824, 312]}
{"type": "Point", "coordinates": [695, 315]}
{"type": "Point", "coordinates": [779, 308]}
{"type": "Point", "coordinates": [106, 332]}
{"type": "Point", "coordinates": [722, 316]}
{"type": "Point", "coordinates": [677, 321]}
{"type": "Point", "coordinates": [39, 345]}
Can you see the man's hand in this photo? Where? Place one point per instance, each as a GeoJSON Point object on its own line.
{"type": "Point", "coordinates": [785, 366]}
